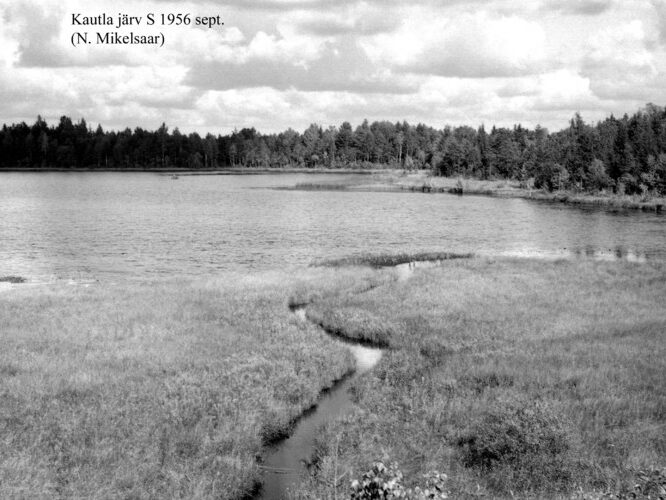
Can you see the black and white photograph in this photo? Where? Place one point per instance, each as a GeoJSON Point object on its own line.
{"type": "Point", "coordinates": [333, 249]}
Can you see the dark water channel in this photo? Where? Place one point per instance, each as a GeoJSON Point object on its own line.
{"type": "Point", "coordinates": [287, 461]}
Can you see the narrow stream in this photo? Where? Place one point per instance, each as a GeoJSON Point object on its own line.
{"type": "Point", "coordinates": [286, 462]}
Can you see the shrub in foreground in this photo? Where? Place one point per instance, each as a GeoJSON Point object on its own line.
{"type": "Point", "coordinates": [519, 447]}
{"type": "Point", "coordinates": [383, 482]}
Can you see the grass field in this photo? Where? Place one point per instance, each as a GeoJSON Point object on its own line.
{"type": "Point", "coordinates": [513, 377]}
{"type": "Point", "coordinates": [163, 390]}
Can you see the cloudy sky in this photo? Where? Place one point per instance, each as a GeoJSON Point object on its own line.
{"type": "Point", "coordinates": [288, 63]}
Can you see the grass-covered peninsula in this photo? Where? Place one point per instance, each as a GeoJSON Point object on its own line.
{"type": "Point", "coordinates": [515, 378]}
{"type": "Point", "coordinates": [425, 182]}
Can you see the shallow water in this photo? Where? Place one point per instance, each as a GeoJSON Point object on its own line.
{"type": "Point", "coordinates": [117, 226]}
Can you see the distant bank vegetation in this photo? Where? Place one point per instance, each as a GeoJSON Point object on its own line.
{"type": "Point", "coordinates": [623, 155]}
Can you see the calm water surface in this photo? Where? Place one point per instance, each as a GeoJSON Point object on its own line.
{"type": "Point", "coordinates": [114, 226]}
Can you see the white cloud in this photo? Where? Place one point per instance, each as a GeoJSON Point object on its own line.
{"type": "Point", "coordinates": [472, 46]}
{"type": "Point", "coordinates": [8, 39]}
{"type": "Point", "coordinates": [660, 9]}
{"type": "Point", "coordinates": [338, 66]}
{"type": "Point", "coordinates": [281, 63]}
{"type": "Point", "coordinates": [579, 7]}
{"type": "Point", "coordinates": [360, 19]}
{"type": "Point", "coordinates": [618, 61]}
{"type": "Point", "coordinates": [563, 89]}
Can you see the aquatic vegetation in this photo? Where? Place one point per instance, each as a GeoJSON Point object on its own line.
{"type": "Point", "coordinates": [321, 186]}
{"type": "Point", "coordinates": [12, 279]}
{"type": "Point", "coordinates": [388, 260]}
{"type": "Point", "coordinates": [424, 182]}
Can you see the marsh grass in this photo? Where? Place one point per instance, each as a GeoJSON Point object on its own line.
{"type": "Point", "coordinates": [514, 377]}
{"type": "Point", "coordinates": [353, 323]}
{"type": "Point", "coordinates": [329, 283]}
{"type": "Point", "coordinates": [425, 182]}
{"type": "Point", "coordinates": [160, 390]}
{"type": "Point", "coordinates": [633, 202]}
{"type": "Point", "coordinates": [321, 186]}
{"type": "Point", "coordinates": [388, 260]}
{"type": "Point", "coordinates": [12, 279]}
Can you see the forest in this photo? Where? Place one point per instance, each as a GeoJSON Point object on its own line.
{"type": "Point", "coordinates": [625, 155]}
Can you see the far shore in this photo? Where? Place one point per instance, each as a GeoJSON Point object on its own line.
{"type": "Point", "coordinates": [423, 181]}
{"type": "Point", "coordinates": [396, 180]}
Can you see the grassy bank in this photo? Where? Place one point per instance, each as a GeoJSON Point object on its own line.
{"type": "Point", "coordinates": [513, 377]}
{"type": "Point", "coordinates": [152, 391]}
{"type": "Point", "coordinates": [422, 181]}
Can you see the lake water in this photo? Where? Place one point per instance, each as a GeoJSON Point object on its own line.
{"type": "Point", "coordinates": [115, 226]}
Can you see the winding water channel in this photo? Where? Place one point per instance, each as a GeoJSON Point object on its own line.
{"type": "Point", "coordinates": [286, 461]}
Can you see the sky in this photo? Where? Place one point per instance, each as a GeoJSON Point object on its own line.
{"type": "Point", "coordinates": [278, 64]}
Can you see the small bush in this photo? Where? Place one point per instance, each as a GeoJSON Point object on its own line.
{"type": "Point", "coordinates": [648, 484]}
{"type": "Point", "coordinates": [383, 482]}
{"type": "Point", "coordinates": [519, 447]}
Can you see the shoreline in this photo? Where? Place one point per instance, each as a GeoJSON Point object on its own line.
{"type": "Point", "coordinates": [395, 180]}
{"type": "Point", "coordinates": [399, 181]}
{"type": "Point", "coordinates": [570, 198]}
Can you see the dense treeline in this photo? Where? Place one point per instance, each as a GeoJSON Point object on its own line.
{"type": "Point", "coordinates": [626, 155]}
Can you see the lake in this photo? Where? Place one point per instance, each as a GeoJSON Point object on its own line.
{"type": "Point", "coordinates": [116, 226]}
